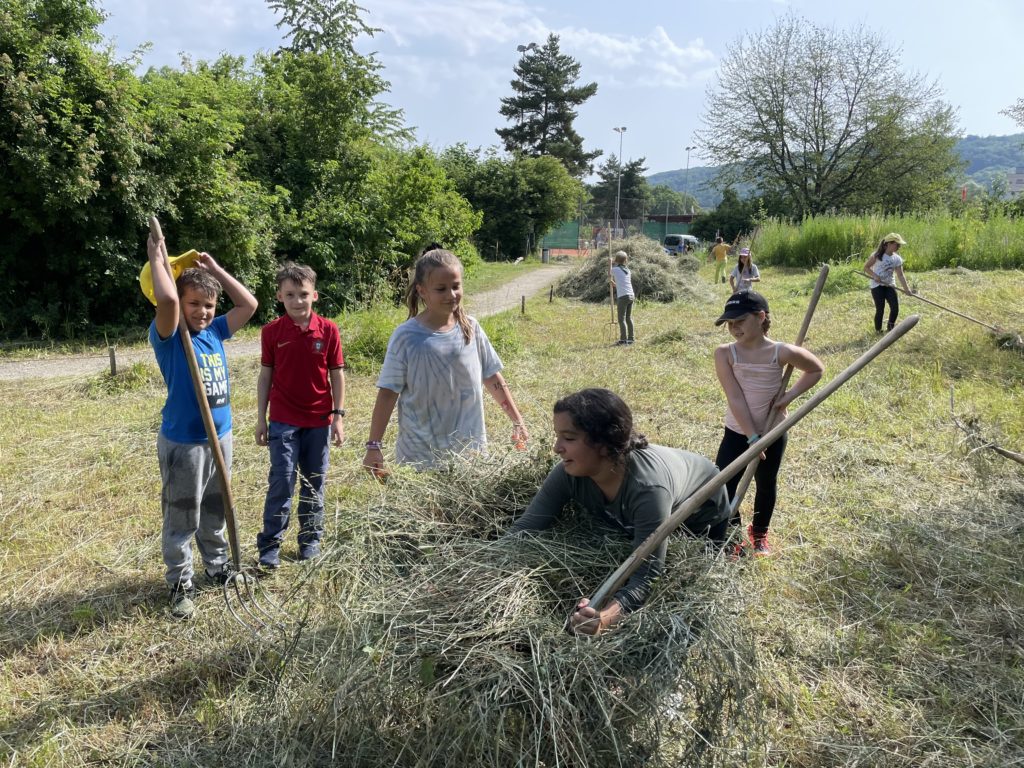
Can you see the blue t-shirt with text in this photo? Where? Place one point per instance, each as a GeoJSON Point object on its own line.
{"type": "Point", "coordinates": [182, 421]}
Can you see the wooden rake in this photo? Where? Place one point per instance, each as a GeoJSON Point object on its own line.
{"type": "Point", "coordinates": [248, 605]}
{"type": "Point", "coordinates": [706, 491]}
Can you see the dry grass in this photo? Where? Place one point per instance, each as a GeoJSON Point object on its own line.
{"type": "Point", "coordinates": [885, 633]}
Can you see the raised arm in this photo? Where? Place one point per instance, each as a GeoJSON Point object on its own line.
{"type": "Point", "coordinates": [244, 303]}
{"type": "Point", "coordinates": [164, 289]}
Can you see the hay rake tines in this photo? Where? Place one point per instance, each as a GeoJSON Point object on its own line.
{"type": "Point", "coordinates": [250, 606]}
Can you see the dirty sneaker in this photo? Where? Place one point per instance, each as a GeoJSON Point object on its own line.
{"type": "Point", "coordinates": [183, 600]}
{"type": "Point", "coordinates": [270, 559]}
{"type": "Point", "coordinates": [759, 542]}
{"type": "Point", "coordinates": [216, 579]}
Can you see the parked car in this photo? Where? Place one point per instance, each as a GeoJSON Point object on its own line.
{"type": "Point", "coordinates": [679, 243]}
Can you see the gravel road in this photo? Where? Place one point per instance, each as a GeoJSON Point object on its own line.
{"type": "Point", "coordinates": [479, 305]}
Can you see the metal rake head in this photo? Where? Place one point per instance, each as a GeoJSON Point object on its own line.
{"type": "Point", "coordinates": [252, 606]}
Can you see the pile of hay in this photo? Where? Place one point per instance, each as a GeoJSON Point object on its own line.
{"type": "Point", "coordinates": [657, 276]}
{"type": "Point", "coordinates": [432, 643]}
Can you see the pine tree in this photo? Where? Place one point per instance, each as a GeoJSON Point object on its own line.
{"type": "Point", "coordinates": [542, 109]}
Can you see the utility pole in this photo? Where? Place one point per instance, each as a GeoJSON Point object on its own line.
{"type": "Point", "coordinates": [618, 190]}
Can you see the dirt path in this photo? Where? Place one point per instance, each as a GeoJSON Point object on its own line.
{"type": "Point", "coordinates": [481, 305]}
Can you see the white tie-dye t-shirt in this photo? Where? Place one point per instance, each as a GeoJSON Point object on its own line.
{"type": "Point", "coordinates": [438, 378]}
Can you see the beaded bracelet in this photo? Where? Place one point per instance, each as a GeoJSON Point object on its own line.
{"type": "Point", "coordinates": [374, 445]}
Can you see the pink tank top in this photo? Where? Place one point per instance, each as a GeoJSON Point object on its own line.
{"type": "Point", "coordinates": [760, 383]}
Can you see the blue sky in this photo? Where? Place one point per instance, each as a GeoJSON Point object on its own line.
{"type": "Point", "coordinates": [450, 61]}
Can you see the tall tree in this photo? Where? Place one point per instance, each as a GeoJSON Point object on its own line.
{"type": "Point", "coordinates": [1016, 112]}
{"type": "Point", "coordinates": [521, 198]}
{"type": "Point", "coordinates": [542, 109]}
{"type": "Point", "coordinates": [74, 189]}
{"type": "Point", "coordinates": [827, 119]}
{"type": "Point", "coordinates": [634, 197]}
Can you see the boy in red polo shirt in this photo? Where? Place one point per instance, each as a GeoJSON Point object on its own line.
{"type": "Point", "coordinates": [301, 378]}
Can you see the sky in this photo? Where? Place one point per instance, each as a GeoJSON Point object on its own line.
{"type": "Point", "coordinates": [450, 62]}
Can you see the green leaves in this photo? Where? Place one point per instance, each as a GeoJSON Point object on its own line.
{"type": "Point", "coordinates": [542, 109]}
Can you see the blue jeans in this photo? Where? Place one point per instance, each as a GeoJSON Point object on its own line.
{"type": "Point", "coordinates": [295, 453]}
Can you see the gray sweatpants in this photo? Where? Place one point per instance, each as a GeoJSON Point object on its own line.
{"type": "Point", "coordinates": [192, 506]}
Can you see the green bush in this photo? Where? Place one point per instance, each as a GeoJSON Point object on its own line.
{"type": "Point", "coordinates": [365, 335]}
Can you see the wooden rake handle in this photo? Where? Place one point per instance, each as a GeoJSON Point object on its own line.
{"type": "Point", "coordinates": [706, 491]}
{"type": "Point", "coordinates": [204, 409]}
{"type": "Point", "coordinates": [774, 417]}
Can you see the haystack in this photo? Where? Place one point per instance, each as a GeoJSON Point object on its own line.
{"type": "Point", "coordinates": [439, 644]}
{"type": "Point", "coordinates": [657, 276]}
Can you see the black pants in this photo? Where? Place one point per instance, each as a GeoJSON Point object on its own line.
{"type": "Point", "coordinates": [885, 294]}
{"type": "Point", "coordinates": [766, 476]}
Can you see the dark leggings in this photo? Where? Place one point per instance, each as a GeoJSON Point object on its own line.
{"type": "Point", "coordinates": [883, 294]}
{"type": "Point", "coordinates": [766, 476]}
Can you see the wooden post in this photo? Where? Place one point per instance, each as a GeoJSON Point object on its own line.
{"type": "Point", "coordinates": [523, 305]}
{"type": "Point", "coordinates": [113, 360]}
{"type": "Point", "coordinates": [551, 294]}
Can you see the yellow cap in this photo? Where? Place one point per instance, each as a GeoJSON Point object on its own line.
{"type": "Point", "coordinates": [178, 265]}
{"type": "Point", "coordinates": [894, 237]}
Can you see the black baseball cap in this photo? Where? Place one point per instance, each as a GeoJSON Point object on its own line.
{"type": "Point", "coordinates": [740, 304]}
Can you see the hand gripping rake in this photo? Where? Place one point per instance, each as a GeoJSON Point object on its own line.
{"type": "Point", "coordinates": [244, 601]}
{"type": "Point", "coordinates": [706, 491]}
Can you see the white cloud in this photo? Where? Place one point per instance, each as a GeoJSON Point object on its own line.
{"type": "Point", "coordinates": [479, 29]}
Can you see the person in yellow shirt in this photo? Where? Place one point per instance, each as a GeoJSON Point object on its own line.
{"type": "Point", "coordinates": [720, 251]}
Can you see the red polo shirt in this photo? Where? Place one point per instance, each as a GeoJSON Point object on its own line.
{"type": "Point", "coordinates": [300, 389]}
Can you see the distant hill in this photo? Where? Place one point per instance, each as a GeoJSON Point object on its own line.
{"type": "Point", "coordinates": [986, 156]}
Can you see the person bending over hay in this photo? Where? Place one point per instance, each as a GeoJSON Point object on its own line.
{"type": "Point", "coordinates": [621, 480]}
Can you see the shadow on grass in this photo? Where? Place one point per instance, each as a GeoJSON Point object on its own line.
{"type": "Point", "coordinates": [195, 689]}
{"type": "Point", "coordinates": [928, 610]}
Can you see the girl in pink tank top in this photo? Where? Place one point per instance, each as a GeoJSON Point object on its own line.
{"type": "Point", "coordinates": [750, 370]}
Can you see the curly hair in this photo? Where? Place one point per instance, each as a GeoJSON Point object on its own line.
{"type": "Point", "coordinates": [605, 420]}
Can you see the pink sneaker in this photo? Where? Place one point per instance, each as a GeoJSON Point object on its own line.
{"type": "Point", "coordinates": [759, 542]}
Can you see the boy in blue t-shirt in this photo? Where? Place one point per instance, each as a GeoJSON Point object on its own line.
{"type": "Point", "coordinates": [191, 497]}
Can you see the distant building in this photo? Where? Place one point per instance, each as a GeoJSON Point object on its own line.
{"type": "Point", "coordinates": [1015, 181]}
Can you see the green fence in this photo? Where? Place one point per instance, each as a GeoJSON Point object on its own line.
{"type": "Point", "coordinates": [569, 233]}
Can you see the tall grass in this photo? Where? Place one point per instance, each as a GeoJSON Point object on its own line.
{"type": "Point", "coordinates": [934, 240]}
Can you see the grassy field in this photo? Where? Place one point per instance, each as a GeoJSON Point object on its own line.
{"type": "Point", "coordinates": [888, 626]}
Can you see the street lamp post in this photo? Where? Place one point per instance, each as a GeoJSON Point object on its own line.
{"type": "Point", "coordinates": [686, 176]}
{"type": "Point", "coordinates": [618, 189]}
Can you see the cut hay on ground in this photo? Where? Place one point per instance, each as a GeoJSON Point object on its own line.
{"type": "Point", "coordinates": [448, 648]}
{"type": "Point", "coordinates": [656, 275]}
